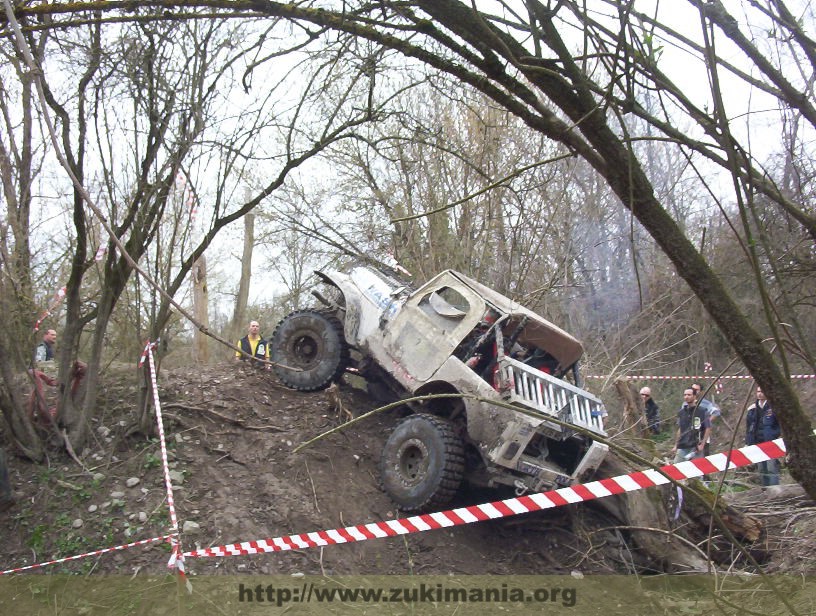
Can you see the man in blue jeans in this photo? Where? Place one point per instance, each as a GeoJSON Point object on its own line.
{"type": "Point", "coordinates": [693, 428]}
{"type": "Point", "coordinates": [761, 427]}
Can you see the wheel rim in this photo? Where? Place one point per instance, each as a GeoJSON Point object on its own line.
{"type": "Point", "coordinates": [412, 461]}
{"type": "Point", "coordinates": [305, 349]}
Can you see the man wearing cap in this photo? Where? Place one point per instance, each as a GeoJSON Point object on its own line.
{"type": "Point", "coordinates": [652, 410]}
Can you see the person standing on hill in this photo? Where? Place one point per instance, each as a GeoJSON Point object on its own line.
{"type": "Point", "coordinates": [693, 427]}
{"type": "Point", "coordinates": [761, 427]}
{"type": "Point", "coordinates": [652, 410]}
{"type": "Point", "coordinates": [254, 345]}
{"type": "Point", "coordinates": [712, 412]}
{"type": "Point", "coordinates": [45, 350]}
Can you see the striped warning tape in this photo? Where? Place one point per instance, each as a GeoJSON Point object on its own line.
{"type": "Point", "coordinates": [176, 557]}
{"type": "Point", "coordinates": [649, 377]}
{"type": "Point", "coordinates": [94, 553]}
{"type": "Point", "coordinates": [513, 506]}
{"type": "Point", "coordinates": [58, 297]}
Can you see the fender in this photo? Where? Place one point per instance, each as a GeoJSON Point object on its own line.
{"type": "Point", "coordinates": [368, 300]}
{"type": "Point", "coordinates": [350, 303]}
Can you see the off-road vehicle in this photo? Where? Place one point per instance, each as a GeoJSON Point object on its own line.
{"type": "Point", "coordinates": [452, 335]}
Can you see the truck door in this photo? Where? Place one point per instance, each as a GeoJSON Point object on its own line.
{"type": "Point", "coordinates": [431, 324]}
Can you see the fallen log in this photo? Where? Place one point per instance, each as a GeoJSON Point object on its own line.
{"type": "Point", "coordinates": [674, 530]}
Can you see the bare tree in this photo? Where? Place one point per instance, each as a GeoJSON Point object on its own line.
{"type": "Point", "coordinates": [579, 90]}
{"type": "Point", "coordinates": [242, 296]}
{"type": "Point", "coordinates": [201, 310]}
{"type": "Point", "coordinates": [155, 84]}
{"type": "Point", "coordinates": [20, 160]}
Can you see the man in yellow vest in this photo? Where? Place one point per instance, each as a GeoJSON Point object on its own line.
{"type": "Point", "coordinates": [253, 344]}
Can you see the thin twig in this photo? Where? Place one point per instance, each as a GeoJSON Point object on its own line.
{"type": "Point", "coordinates": [314, 492]}
{"type": "Point", "coordinates": [232, 420]}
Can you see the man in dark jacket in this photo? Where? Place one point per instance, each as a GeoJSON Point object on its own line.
{"type": "Point", "coordinates": [693, 427]}
{"type": "Point", "coordinates": [652, 410]}
{"type": "Point", "coordinates": [761, 427]}
{"type": "Point", "coordinates": [712, 412]}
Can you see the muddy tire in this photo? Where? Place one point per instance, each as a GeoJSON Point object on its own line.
{"type": "Point", "coordinates": [312, 342]}
{"type": "Point", "coordinates": [422, 463]}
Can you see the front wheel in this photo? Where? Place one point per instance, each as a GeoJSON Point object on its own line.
{"type": "Point", "coordinates": [422, 463]}
{"type": "Point", "coordinates": [311, 349]}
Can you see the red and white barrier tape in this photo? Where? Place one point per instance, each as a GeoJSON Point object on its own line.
{"type": "Point", "coordinates": [149, 346]}
{"type": "Point", "coordinates": [101, 252]}
{"type": "Point", "coordinates": [94, 553]}
{"type": "Point", "coordinates": [58, 297]}
{"type": "Point", "coordinates": [644, 377]}
{"type": "Point", "coordinates": [176, 556]}
{"type": "Point", "coordinates": [513, 506]}
{"type": "Point", "coordinates": [718, 385]}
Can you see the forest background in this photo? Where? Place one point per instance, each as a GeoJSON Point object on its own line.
{"type": "Point", "coordinates": [640, 174]}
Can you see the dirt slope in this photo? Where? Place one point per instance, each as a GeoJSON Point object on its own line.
{"type": "Point", "coordinates": [231, 433]}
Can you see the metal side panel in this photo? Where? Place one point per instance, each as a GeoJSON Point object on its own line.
{"type": "Point", "coordinates": [591, 460]}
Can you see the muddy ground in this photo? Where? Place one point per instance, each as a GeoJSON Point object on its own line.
{"type": "Point", "coordinates": [231, 433]}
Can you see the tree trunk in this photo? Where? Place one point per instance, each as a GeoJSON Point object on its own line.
{"type": "Point", "coordinates": [13, 405]}
{"type": "Point", "coordinates": [146, 425]}
{"type": "Point", "coordinates": [613, 159]}
{"type": "Point", "coordinates": [201, 311]}
{"type": "Point", "coordinates": [76, 414]}
{"type": "Point", "coordinates": [626, 177]}
{"type": "Point", "coordinates": [241, 299]}
{"type": "Point", "coordinates": [632, 412]}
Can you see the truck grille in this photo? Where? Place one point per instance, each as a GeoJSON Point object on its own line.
{"type": "Point", "coordinates": [529, 387]}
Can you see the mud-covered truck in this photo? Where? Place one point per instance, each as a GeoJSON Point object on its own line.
{"type": "Point", "coordinates": [515, 372]}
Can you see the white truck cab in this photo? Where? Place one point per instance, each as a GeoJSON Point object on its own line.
{"type": "Point", "coordinates": [514, 413]}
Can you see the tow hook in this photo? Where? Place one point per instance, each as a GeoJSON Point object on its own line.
{"type": "Point", "coordinates": [521, 487]}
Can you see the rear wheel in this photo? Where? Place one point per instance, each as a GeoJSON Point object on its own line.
{"type": "Point", "coordinates": [422, 463]}
{"type": "Point", "coordinates": [310, 347]}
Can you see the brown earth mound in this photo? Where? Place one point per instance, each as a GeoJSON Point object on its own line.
{"type": "Point", "coordinates": [231, 433]}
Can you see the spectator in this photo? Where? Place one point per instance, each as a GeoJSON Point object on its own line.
{"type": "Point", "coordinates": [253, 345]}
{"type": "Point", "coordinates": [761, 427]}
{"type": "Point", "coordinates": [652, 410]}
{"type": "Point", "coordinates": [693, 427]}
{"type": "Point", "coordinates": [712, 412]}
{"type": "Point", "coordinates": [45, 350]}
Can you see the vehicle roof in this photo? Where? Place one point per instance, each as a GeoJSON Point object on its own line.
{"type": "Point", "coordinates": [538, 332]}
